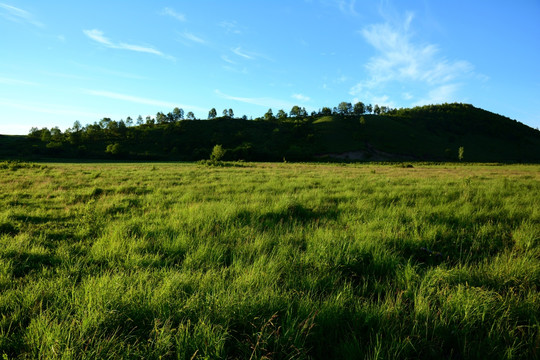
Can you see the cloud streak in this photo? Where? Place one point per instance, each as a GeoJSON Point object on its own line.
{"type": "Point", "coordinates": [347, 7]}
{"type": "Point", "coordinates": [238, 51]}
{"type": "Point", "coordinates": [48, 108]}
{"type": "Point", "coordinates": [226, 59]}
{"type": "Point", "coordinates": [15, 14]}
{"type": "Point", "coordinates": [301, 97]}
{"type": "Point", "coordinates": [10, 81]}
{"type": "Point", "coordinates": [170, 12]}
{"type": "Point", "coordinates": [193, 38]}
{"type": "Point", "coordinates": [230, 27]}
{"type": "Point", "coordinates": [401, 62]}
{"type": "Point", "coordinates": [99, 37]}
{"type": "Point", "coordinates": [139, 100]}
{"type": "Point", "coordinates": [249, 55]}
{"type": "Point", "coordinates": [265, 102]}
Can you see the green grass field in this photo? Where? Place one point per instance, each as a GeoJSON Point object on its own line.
{"type": "Point", "coordinates": [183, 261]}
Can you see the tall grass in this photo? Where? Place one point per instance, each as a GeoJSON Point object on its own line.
{"type": "Point", "coordinates": [285, 261]}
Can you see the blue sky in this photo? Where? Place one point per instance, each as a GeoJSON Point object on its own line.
{"type": "Point", "coordinates": [63, 61]}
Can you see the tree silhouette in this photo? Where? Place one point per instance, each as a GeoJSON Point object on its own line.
{"type": "Point", "coordinates": [212, 114]}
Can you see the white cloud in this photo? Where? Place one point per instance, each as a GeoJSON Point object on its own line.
{"type": "Point", "coordinates": [194, 38]}
{"type": "Point", "coordinates": [341, 79]}
{"type": "Point", "coordinates": [139, 100]}
{"type": "Point", "coordinates": [13, 13]}
{"type": "Point", "coordinates": [266, 102]}
{"type": "Point", "coordinates": [10, 81]}
{"type": "Point", "coordinates": [400, 61]}
{"type": "Point", "coordinates": [230, 27]}
{"type": "Point", "coordinates": [98, 36]}
{"type": "Point", "coordinates": [235, 70]}
{"type": "Point", "coordinates": [48, 108]}
{"type": "Point", "coordinates": [407, 96]}
{"type": "Point", "coordinates": [438, 95]}
{"type": "Point", "coordinates": [226, 59]}
{"type": "Point", "coordinates": [138, 48]}
{"type": "Point", "coordinates": [238, 51]}
{"type": "Point", "coordinates": [301, 97]}
{"type": "Point", "coordinates": [368, 97]}
{"type": "Point", "coordinates": [250, 55]}
{"type": "Point", "coordinates": [170, 12]}
{"type": "Point", "coordinates": [347, 7]}
{"type": "Point", "coordinates": [102, 70]}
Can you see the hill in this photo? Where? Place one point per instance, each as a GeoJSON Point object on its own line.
{"type": "Point", "coordinates": [428, 133]}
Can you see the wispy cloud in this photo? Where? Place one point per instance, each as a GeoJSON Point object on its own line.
{"type": "Point", "coordinates": [266, 102]}
{"type": "Point", "coordinates": [438, 95]}
{"type": "Point", "coordinates": [301, 97]}
{"type": "Point", "coordinates": [65, 75]}
{"type": "Point", "coordinates": [98, 36]}
{"type": "Point", "coordinates": [250, 55]}
{"type": "Point", "coordinates": [401, 61]}
{"type": "Point", "coordinates": [140, 100]}
{"type": "Point", "coordinates": [101, 70]}
{"type": "Point", "coordinates": [407, 96]}
{"type": "Point", "coordinates": [226, 59]}
{"type": "Point", "coordinates": [11, 81]}
{"type": "Point", "coordinates": [13, 13]}
{"type": "Point", "coordinates": [347, 7]}
{"type": "Point", "coordinates": [238, 51]}
{"type": "Point", "coordinates": [170, 12]}
{"type": "Point", "coordinates": [235, 69]}
{"type": "Point", "coordinates": [139, 48]}
{"type": "Point", "coordinates": [194, 38]}
{"type": "Point", "coordinates": [230, 27]}
{"type": "Point", "coordinates": [48, 108]}
{"type": "Point", "coordinates": [341, 79]}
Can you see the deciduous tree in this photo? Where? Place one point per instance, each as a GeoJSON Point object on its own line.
{"type": "Point", "coordinates": [326, 111]}
{"type": "Point", "coordinates": [369, 109]}
{"type": "Point", "coordinates": [345, 108]}
{"type": "Point", "coordinates": [295, 111]}
{"type": "Point", "coordinates": [269, 115]}
{"type": "Point", "coordinates": [212, 114]}
{"type": "Point", "coordinates": [178, 114]}
{"type": "Point", "coordinates": [161, 118]}
{"type": "Point", "coordinates": [359, 108]}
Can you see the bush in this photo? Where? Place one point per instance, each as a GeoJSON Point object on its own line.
{"type": "Point", "coordinates": [217, 154]}
{"type": "Point", "coordinates": [114, 149]}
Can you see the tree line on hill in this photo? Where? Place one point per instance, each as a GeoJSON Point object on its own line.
{"type": "Point", "coordinates": [434, 132]}
{"type": "Point", "coordinates": [177, 114]}
{"type": "Point", "coordinates": [108, 130]}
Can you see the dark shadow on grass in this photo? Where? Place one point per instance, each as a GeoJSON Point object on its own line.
{"type": "Point", "coordinates": [8, 228]}
{"type": "Point", "coordinates": [36, 220]}
{"type": "Point", "coordinates": [24, 262]}
{"type": "Point", "coordinates": [292, 214]}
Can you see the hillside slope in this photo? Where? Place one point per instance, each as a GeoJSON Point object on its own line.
{"type": "Point", "coordinates": [429, 133]}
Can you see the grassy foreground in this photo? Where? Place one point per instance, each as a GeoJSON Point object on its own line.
{"type": "Point", "coordinates": [150, 261]}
